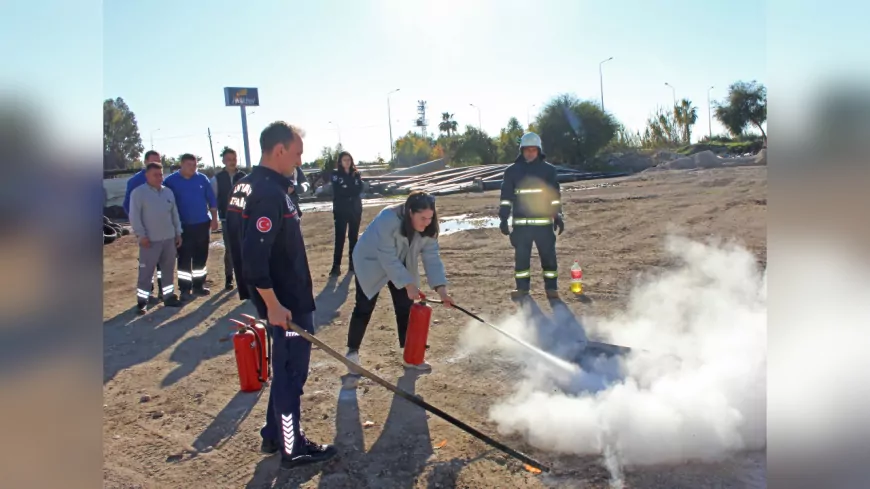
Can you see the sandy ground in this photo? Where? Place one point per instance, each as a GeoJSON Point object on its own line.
{"type": "Point", "coordinates": [198, 430]}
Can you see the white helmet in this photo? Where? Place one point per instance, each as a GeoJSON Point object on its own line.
{"type": "Point", "coordinates": [531, 139]}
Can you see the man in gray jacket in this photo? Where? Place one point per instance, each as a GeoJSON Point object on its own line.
{"type": "Point", "coordinates": [155, 221]}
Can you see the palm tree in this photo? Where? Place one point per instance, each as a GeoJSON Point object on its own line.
{"type": "Point", "coordinates": [686, 116]}
{"type": "Point", "coordinates": [447, 123]}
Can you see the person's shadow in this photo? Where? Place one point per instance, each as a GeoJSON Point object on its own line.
{"type": "Point", "coordinates": [126, 344]}
{"type": "Point", "coordinates": [212, 343]}
{"type": "Point", "coordinates": [399, 455]}
{"type": "Point", "coordinates": [330, 299]}
{"type": "Point", "coordinates": [227, 422]}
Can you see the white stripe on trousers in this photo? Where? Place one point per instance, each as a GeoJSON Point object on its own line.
{"type": "Point", "coordinates": [289, 435]}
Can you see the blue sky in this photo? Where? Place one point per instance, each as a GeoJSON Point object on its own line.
{"type": "Point", "coordinates": [336, 60]}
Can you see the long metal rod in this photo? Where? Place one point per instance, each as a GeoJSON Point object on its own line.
{"type": "Point", "coordinates": [418, 401]}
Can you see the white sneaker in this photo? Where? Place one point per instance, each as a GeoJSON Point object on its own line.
{"type": "Point", "coordinates": [425, 367]}
{"type": "Point", "coordinates": [353, 356]}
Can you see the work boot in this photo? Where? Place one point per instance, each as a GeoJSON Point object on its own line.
{"type": "Point", "coordinates": [172, 301]}
{"type": "Point", "coordinates": [269, 447]}
{"type": "Point", "coordinates": [201, 291]}
{"type": "Point", "coordinates": [552, 294]}
{"type": "Point", "coordinates": [335, 272]}
{"type": "Point", "coordinates": [141, 308]}
{"type": "Point", "coordinates": [315, 453]}
{"type": "Point", "coordinates": [229, 284]}
{"type": "Point", "coordinates": [186, 296]}
{"type": "Point", "coordinates": [519, 294]}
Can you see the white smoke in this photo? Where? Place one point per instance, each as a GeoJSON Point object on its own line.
{"type": "Point", "coordinates": [698, 391]}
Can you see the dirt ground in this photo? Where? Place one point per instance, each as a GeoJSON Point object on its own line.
{"type": "Point", "coordinates": [198, 430]}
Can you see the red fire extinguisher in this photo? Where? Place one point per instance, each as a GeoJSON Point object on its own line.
{"type": "Point", "coordinates": [418, 332]}
{"type": "Point", "coordinates": [249, 357]}
{"type": "Point", "coordinates": [265, 340]}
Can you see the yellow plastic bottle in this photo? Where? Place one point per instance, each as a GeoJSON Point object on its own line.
{"type": "Point", "coordinates": [576, 278]}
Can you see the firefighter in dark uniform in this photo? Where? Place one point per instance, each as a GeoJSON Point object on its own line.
{"type": "Point", "coordinates": [530, 192]}
{"type": "Point", "coordinates": [269, 252]}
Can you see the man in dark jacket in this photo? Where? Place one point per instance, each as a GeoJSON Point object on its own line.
{"type": "Point", "coordinates": [222, 184]}
{"type": "Point", "coordinates": [270, 253]}
{"type": "Point", "coordinates": [530, 192]}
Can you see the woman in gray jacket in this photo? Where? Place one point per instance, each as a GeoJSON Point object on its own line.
{"type": "Point", "coordinates": [387, 254]}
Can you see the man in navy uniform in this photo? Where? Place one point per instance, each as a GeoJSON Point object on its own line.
{"type": "Point", "coordinates": [269, 251]}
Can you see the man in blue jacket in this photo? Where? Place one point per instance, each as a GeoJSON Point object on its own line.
{"type": "Point", "coordinates": [197, 207]}
{"type": "Point", "coordinates": [269, 251]}
{"type": "Point", "coordinates": [133, 183]}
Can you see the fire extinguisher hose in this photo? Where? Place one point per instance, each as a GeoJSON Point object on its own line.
{"type": "Point", "coordinates": [418, 401]}
{"type": "Point", "coordinates": [607, 347]}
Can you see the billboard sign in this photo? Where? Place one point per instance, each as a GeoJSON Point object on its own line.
{"type": "Point", "coordinates": [236, 96]}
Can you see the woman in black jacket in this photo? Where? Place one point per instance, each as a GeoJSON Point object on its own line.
{"type": "Point", "coordinates": [346, 208]}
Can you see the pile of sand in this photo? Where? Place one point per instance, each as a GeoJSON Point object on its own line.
{"type": "Point", "coordinates": [707, 159]}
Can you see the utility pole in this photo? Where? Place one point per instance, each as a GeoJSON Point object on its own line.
{"type": "Point", "coordinates": [528, 118]}
{"type": "Point", "coordinates": [709, 114]}
{"type": "Point", "coordinates": [245, 135]}
{"type": "Point", "coordinates": [601, 80]}
{"type": "Point", "coordinates": [211, 147]}
{"type": "Point", "coordinates": [390, 121]}
{"type": "Point", "coordinates": [674, 92]}
{"type": "Point", "coordinates": [479, 125]}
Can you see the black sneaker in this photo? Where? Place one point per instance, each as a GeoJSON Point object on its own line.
{"type": "Point", "coordinates": [315, 454]}
{"type": "Point", "coordinates": [172, 301]}
{"type": "Point", "coordinates": [229, 285]}
{"type": "Point", "coordinates": [269, 447]}
{"type": "Point", "coordinates": [335, 272]}
{"type": "Point", "coordinates": [201, 291]}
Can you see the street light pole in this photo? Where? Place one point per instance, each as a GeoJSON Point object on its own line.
{"type": "Point", "coordinates": [601, 80]}
{"type": "Point", "coordinates": [479, 125]}
{"type": "Point", "coordinates": [152, 137]}
{"type": "Point", "coordinates": [390, 121]}
{"type": "Point", "coordinates": [674, 91]}
{"type": "Point", "coordinates": [709, 114]}
{"type": "Point", "coordinates": [338, 128]}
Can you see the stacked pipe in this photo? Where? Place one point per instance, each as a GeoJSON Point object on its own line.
{"type": "Point", "coordinates": [466, 179]}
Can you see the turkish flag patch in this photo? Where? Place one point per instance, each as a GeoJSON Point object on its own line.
{"type": "Point", "coordinates": [264, 224]}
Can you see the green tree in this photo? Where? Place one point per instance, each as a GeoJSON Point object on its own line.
{"type": "Point", "coordinates": [328, 157]}
{"type": "Point", "coordinates": [745, 105]}
{"type": "Point", "coordinates": [508, 142]}
{"type": "Point", "coordinates": [475, 147]}
{"type": "Point", "coordinates": [685, 116]}
{"type": "Point", "coordinates": [447, 124]}
{"type": "Point", "coordinates": [662, 130]}
{"type": "Point", "coordinates": [572, 130]}
{"type": "Point", "coordinates": [413, 149]}
{"type": "Point", "coordinates": [122, 143]}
